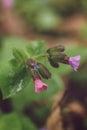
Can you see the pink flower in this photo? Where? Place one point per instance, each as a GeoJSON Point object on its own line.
{"type": "Point", "coordinates": [39, 85]}
{"type": "Point", "coordinates": [7, 3]}
{"type": "Point", "coordinates": [74, 62]}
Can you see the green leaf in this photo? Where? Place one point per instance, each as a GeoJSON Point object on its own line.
{"type": "Point", "coordinates": [7, 46]}
{"type": "Point", "coordinates": [10, 122]}
{"type": "Point", "coordinates": [13, 74]}
{"type": "Point", "coordinates": [27, 124]}
{"type": "Point", "coordinates": [20, 55]}
{"type": "Point", "coordinates": [28, 95]}
{"type": "Point", "coordinates": [36, 47]}
{"type": "Point", "coordinates": [13, 78]}
{"type": "Point", "coordinates": [16, 121]}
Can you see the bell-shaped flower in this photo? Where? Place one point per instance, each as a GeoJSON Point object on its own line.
{"type": "Point", "coordinates": [43, 71]}
{"type": "Point", "coordinates": [74, 62]}
{"type": "Point", "coordinates": [39, 85]}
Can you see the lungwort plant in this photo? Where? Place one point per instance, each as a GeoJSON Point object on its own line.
{"type": "Point", "coordinates": [31, 65]}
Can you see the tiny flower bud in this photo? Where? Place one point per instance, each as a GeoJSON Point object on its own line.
{"type": "Point", "coordinates": [74, 62]}
{"type": "Point", "coordinates": [44, 72]}
{"type": "Point", "coordinates": [39, 85]}
{"type": "Point", "coordinates": [59, 57]}
{"type": "Point", "coordinates": [31, 63]}
{"type": "Point", "coordinates": [62, 58]}
{"type": "Point", "coordinates": [53, 63]}
{"type": "Point", "coordinates": [59, 48]}
{"type": "Point", "coordinates": [34, 74]}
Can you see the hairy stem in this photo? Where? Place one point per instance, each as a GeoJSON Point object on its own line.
{"type": "Point", "coordinates": [40, 55]}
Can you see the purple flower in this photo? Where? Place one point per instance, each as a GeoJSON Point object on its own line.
{"type": "Point", "coordinates": [39, 85]}
{"type": "Point", "coordinates": [7, 3]}
{"type": "Point", "coordinates": [74, 62]}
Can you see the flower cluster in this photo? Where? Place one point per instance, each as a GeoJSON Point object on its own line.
{"type": "Point", "coordinates": [37, 71]}
{"type": "Point", "coordinates": [55, 56]}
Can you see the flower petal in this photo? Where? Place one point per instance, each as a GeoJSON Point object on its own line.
{"type": "Point", "coordinates": [74, 62]}
{"type": "Point", "coordinates": [39, 85]}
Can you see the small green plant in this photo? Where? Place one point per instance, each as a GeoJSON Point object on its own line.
{"type": "Point", "coordinates": [27, 65]}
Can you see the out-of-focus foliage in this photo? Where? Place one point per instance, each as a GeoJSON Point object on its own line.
{"type": "Point", "coordinates": [83, 32]}
{"type": "Point", "coordinates": [46, 15]}
{"type": "Point", "coordinates": [65, 6]}
{"type": "Point", "coordinates": [39, 13]}
{"type": "Point", "coordinates": [11, 74]}
{"type": "Point", "coordinates": [15, 121]}
{"type": "Point", "coordinates": [6, 48]}
{"type": "Point", "coordinates": [84, 6]}
{"type": "Point", "coordinates": [47, 20]}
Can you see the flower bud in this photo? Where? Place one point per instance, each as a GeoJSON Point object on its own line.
{"type": "Point", "coordinates": [31, 63]}
{"type": "Point", "coordinates": [44, 72]}
{"type": "Point", "coordinates": [59, 57]}
{"type": "Point", "coordinates": [34, 74]}
{"type": "Point", "coordinates": [59, 48]}
{"type": "Point", "coordinates": [38, 68]}
{"type": "Point", "coordinates": [62, 58]}
{"type": "Point", "coordinates": [53, 63]}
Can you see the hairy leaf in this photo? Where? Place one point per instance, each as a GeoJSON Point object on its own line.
{"type": "Point", "coordinates": [36, 47]}
{"type": "Point", "coordinates": [13, 78]}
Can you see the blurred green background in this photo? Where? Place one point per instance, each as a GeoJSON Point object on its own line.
{"type": "Point", "coordinates": [55, 22]}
